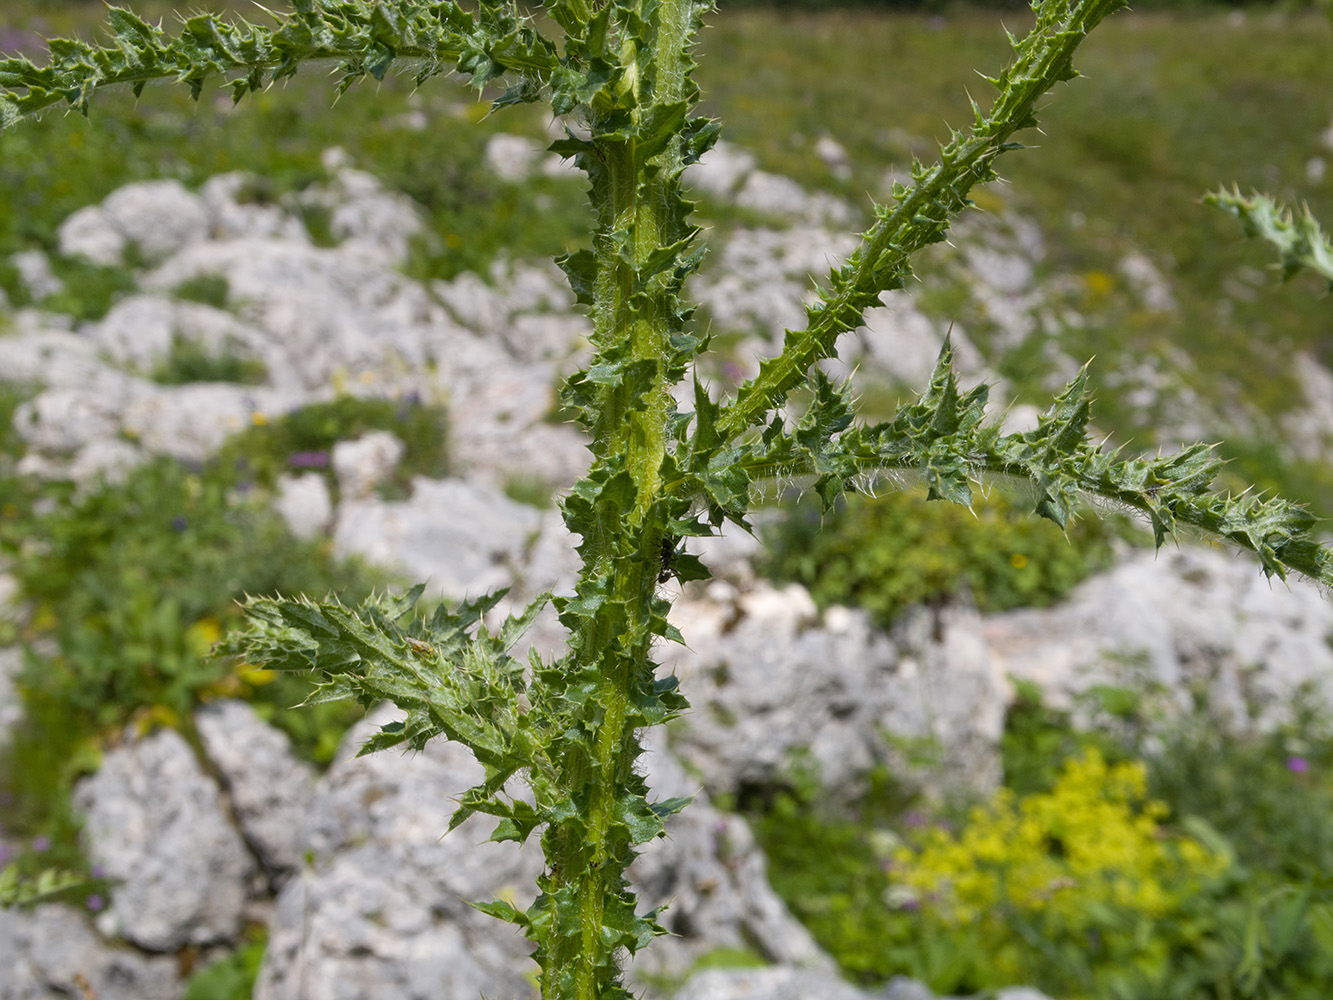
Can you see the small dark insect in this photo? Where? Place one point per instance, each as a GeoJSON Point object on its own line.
{"type": "Point", "coordinates": [668, 558]}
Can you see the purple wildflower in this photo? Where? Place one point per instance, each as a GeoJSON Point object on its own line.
{"type": "Point", "coordinates": [1297, 765]}
{"type": "Point", "coordinates": [41, 843]}
{"type": "Point", "coordinates": [179, 523]}
{"type": "Point", "coordinates": [95, 902]}
{"type": "Point", "coordinates": [308, 459]}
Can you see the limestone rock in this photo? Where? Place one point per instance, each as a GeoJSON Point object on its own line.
{"type": "Point", "coordinates": [235, 212]}
{"type": "Point", "coordinates": [35, 272]}
{"type": "Point", "coordinates": [721, 171]}
{"type": "Point", "coordinates": [328, 312]}
{"type": "Point", "coordinates": [191, 421]}
{"type": "Point", "coordinates": [774, 983]}
{"type": "Point", "coordinates": [760, 278]}
{"type": "Point", "coordinates": [88, 233]}
{"type": "Point", "coordinates": [363, 464]}
{"type": "Point", "coordinates": [900, 341]}
{"type": "Point", "coordinates": [156, 823]}
{"type": "Point", "coordinates": [270, 789]}
{"type": "Point", "coordinates": [715, 879]}
{"type": "Point", "coordinates": [382, 910]}
{"type": "Point", "coordinates": [139, 330]}
{"type": "Point", "coordinates": [511, 158]}
{"type": "Point", "coordinates": [465, 539]}
{"type": "Point", "coordinates": [382, 905]}
{"type": "Point", "coordinates": [782, 983]}
{"type": "Point", "coordinates": [158, 218]}
{"type": "Point", "coordinates": [304, 503]}
{"type": "Point", "coordinates": [1186, 622]}
{"type": "Point", "coordinates": [775, 686]}
{"type": "Point", "coordinates": [365, 217]}
{"type": "Point", "coordinates": [39, 352]}
{"type": "Point", "coordinates": [11, 705]}
{"type": "Point", "coordinates": [51, 953]}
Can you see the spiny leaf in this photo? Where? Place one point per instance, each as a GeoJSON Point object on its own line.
{"type": "Point", "coordinates": [364, 39]}
{"type": "Point", "coordinates": [1301, 243]}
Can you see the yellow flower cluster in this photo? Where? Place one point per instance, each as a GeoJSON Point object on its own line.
{"type": "Point", "coordinates": [1094, 839]}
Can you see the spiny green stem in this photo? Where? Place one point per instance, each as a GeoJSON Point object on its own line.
{"type": "Point", "coordinates": [364, 39]}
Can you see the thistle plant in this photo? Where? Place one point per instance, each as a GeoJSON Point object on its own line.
{"type": "Point", "coordinates": [618, 74]}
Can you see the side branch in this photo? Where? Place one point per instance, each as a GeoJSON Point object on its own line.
{"type": "Point", "coordinates": [943, 436]}
{"type": "Point", "coordinates": [1300, 242]}
{"type": "Point", "coordinates": [922, 214]}
{"type": "Point", "coordinates": [364, 39]}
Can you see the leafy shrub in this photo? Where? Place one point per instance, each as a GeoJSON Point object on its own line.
{"type": "Point", "coordinates": [1069, 889]}
{"type": "Point", "coordinates": [135, 581]}
{"type": "Point", "coordinates": [304, 438]}
{"type": "Point", "coordinates": [829, 864]}
{"type": "Point", "coordinates": [207, 289]}
{"type": "Point", "coordinates": [230, 978]}
{"type": "Point", "coordinates": [1273, 795]}
{"type": "Point", "coordinates": [1038, 739]}
{"type": "Point", "coordinates": [90, 290]}
{"type": "Point", "coordinates": [897, 550]}
{"type": "Point", "coordinates": [190, 361]}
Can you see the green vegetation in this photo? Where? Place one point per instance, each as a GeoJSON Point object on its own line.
{"type": "Point", "coordinates": [898, 550]}
{"type": "Point", "coordinates": [190, 361]}
{"type": "Point", "coordinates": [126, 586]}
{"type": "Point", "coordinates": [303, 440]}
{"type": "Point", "coordinates": [231, 978]}
{"type": "Point", "coordinates": [1097, 881]}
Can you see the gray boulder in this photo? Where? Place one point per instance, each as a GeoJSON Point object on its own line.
{"type": "Point", "coordinates": [11, 704]}
{"type": "Point", "coordinates": [233, 212]}
{"type": "Point", "coordinates": [365, 216]}
{"type": "Point", "coordinates": [760, 278]}
{"type": "Point", "coordinates": [158, 218]}
{"type": "Point", "coordinates": [270, 790]}
{"type": "Point", "coordinates": [329, 313]}
{"type": "Point", "coordinates": [363, 464]}
{"type": "Point", "coordinates": [304, 504]}
{"type": "Point", "coordinates": [714, 879]}
{"type": "Point", "coordinates": [138, 331]}
{"type": "Point", "coordinates": [51, 953]}
{"type": "Point", "coordinates": [158, 826]}
{"type": "Point", "coordinates": [382, 908]}
{"type": "Point", "coordinates": [778, 983]}
{"type": "Point", "coordinates": [34, 270]}
{"type": "Point", "coordinates": [774, 983]}
{"type": "Point", "coordinates": [464, 538]}
{"type": "Point", "coordinates": [1183, 624]}
{"type": "Point", "coordinates": [721, 171]}
{"type": "Point", "coordinates": [512, 158]}
{"type": "Point", "coordinates": [776, 685]}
